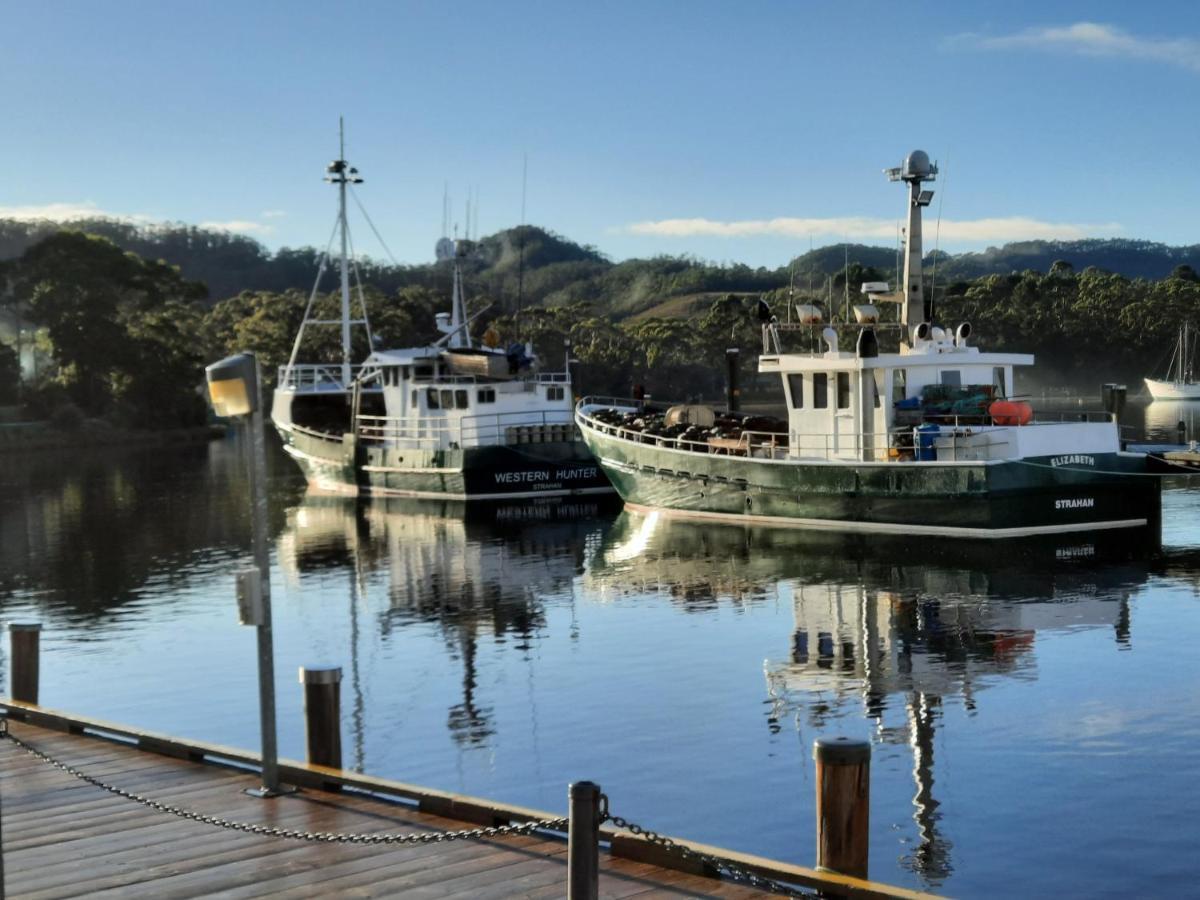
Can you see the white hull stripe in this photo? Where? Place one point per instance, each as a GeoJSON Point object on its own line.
{"type": "Point", "coordinates": [514, 495]}
{"type": "Point", "coordinates": [894, 527]}
{"type": "Point", "coordinates": [432, 470]}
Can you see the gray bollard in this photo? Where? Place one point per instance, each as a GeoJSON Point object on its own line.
{"type": "Point", "coordinates": [323, 714]}
{"type": "Point", "coordinates": [25, 644]}
{"type": "Point", "coordinates": [843, 805]}
{"type": "Point", "coordinates": [583, 841]}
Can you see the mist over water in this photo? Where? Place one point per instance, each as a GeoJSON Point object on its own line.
{"type": "Point", "coordinates": [1031, 704]}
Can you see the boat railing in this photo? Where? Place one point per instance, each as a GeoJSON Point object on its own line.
{"type": "Point", "coordinates": [1058, 418]}
{"type": "Point", "coordinates": [468, 431]}
{"type": "Point", "coordinates": [948, 444]}
{"type": "Point", "coordinates": [316, 377]}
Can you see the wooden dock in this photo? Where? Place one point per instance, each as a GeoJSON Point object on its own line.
{"type": "Point", "coordinates": [63, 837]}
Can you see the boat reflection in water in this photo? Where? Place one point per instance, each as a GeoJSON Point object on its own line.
{"type": "Point", "coordinates": [1163, 418]}
{"type": "Point", "coordinates": [885, 624]}
{"type": "Point", "coordinates": [474, 570]}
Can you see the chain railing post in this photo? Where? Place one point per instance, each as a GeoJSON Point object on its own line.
{"type": "Point", "coordinates": [843, 804]}
{"type": "Point", "coordinates": [25, 649]}
{"type": "Point", "coordinates": [583, 841]}
{"type": "Point", "coordinates": [323, 715]}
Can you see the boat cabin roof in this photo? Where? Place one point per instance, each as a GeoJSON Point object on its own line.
{"type": "Point", "coordinates": [844, 360]}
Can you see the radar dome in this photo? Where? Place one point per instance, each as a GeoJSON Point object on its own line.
{"type": "Point", "coordinates": [916, 163]}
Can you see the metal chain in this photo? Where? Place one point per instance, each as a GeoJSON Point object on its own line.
{"type": "Point", "coordinates": [730, 869]}
{"type": "Point", "coordinates": [327, 837]}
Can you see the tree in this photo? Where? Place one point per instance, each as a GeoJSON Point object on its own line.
{"type": "Point", "coordinates": [10, 374]}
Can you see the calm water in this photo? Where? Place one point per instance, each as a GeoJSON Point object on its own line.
{"type": "Point", "coordinates": [1033, 707]}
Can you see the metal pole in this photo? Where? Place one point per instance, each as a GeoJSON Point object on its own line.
{"type": "Point", "coordinates": [583, 841]}
{"type": "Point", "coordinates": [262, 560]}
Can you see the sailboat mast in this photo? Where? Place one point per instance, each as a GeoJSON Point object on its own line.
{"type": "Point", "coordinates": [345, 257]}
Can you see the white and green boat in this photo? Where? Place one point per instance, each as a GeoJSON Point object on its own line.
{"type": "Point", "coordinates": [449, 421]}
{"type": "Point", "coordinates": [894, 427]}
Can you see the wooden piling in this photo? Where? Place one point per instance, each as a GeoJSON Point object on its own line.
{"type": "Point", "coordinates": [843, 805]}
{"type": "Point", "coordinates": [323, 714]}
{"type": "Point", "coordinates": [25, 645]}
{"type": "Point", "coordinates": [583, 841]}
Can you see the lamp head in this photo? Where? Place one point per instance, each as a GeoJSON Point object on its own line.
{"type": "Point", "coordinates": [233, 385]}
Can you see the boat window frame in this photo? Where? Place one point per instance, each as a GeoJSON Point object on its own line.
{"type": "Point", "coordinates": [955, 380]}
{"type": "Point", "coordinates": [844, 394]}
{"type": "Point", "coordinates": [485, 395]}
{"type": "Point", "coordinates": [1000, 381]}
{"type": "Point", "coordinates": [447, 398]}
{"type": "Point", "coordinates": [555, 392]}
{"type": "Point", "coordinates": [820, 383]}
{"type": "Point", "coordinates": [795, 386]}
{"type": "Point", "coordinates": [431, 399]}
{"type": "Point", "coordinates": [899, 384]}
{"type": "Point", "coordinates": [461, 400]}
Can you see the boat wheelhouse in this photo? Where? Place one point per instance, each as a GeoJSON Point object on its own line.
{"type": "Point", "coordinates": [450, 420]}
{"type": "Point", "coordinates": [899, 426]}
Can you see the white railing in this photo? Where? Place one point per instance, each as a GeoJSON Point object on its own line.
{"type": "Point", "coordinates": [468, 431]}
{"type": "Point", "coordinates": [949, 444]}
{"type": "Point", "coordinates": [317, 377]}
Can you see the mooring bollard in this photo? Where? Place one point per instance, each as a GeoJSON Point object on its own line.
{"type": "Point", "coordinates": [323, 714]}
{"type": "Point", "coordinates": [583, 841]}
{"type": "Point", "coordinates": [843, 804]}
{"type": "Point", "coordinates": [25, 644]}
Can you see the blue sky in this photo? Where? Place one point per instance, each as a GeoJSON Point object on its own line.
{"type": "Point", "coordinates": [730, 131]}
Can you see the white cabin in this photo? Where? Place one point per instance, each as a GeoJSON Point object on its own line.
{"type": "Point", "coordinates": [843, 406]}
{"type": "Point", "coordinates": [433, 400]}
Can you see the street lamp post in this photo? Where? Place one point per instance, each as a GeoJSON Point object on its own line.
{"type": "Point", "coordinates": [233, 387]}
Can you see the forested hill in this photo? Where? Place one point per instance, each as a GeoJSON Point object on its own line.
{"type": "Point", "coordinates": [553, 270]}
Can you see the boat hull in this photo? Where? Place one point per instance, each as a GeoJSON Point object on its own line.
{"type": "Point", "coordinates": [985, 499]}
{"type": "Point", "coordinates": [1172, 390]}
{"type": "Point", "coordinates": [345, 465]}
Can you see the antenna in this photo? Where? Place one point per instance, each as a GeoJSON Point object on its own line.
{"type": "Point", "coordinates": [937, 242]}
{"type": "Point", "coordinates": [521, 244]}
{"type": "Point", "coordinates": [846, 280]}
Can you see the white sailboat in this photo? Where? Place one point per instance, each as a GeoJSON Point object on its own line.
{"type": "Point", "coordinates": [1180, 383]}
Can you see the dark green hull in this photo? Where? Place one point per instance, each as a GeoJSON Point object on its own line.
{"type": "Point", "coordinates": [993, 499]}
{"type": "Point", "coordinates": [552, 469]}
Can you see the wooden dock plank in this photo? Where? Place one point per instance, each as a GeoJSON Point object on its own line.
{"type": "Point", "coordinates": [65, 838]}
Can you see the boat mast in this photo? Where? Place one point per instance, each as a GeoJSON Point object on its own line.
{"type": "Point", "coordinates": [916, 169]}
{"type": "Point", "coordinates": [341, 175]}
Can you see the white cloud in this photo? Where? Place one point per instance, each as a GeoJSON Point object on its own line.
{"type": "Point", "coordinates": [244, 226]}
{"type": "Point", "coordinates": [1013, 228]}
{"type": "Point", "coordinates": [273, 213]}
{"type": "Point", "coordinates": [1093, 39]}
{"type": "Point", "coordinates": [65, 212]}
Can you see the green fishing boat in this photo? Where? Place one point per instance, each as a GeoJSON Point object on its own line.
{"type": "Point", "coordinates": [899, 426]}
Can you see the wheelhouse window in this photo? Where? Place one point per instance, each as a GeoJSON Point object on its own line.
{"type": "Point", "coordinates": [998, 381]}
{"type": "Point", "coordinates": [796, 389]}
{"type": "Point", "coordinates": [486, 395]}
{"type": "Point", "coordinates": [820, 390]}
{"type": "Point", "coordinates": [877, 386]}
{"type": "Point", "coordinates": [414, 398]}
{"type": "Point", "coordinates": [951, 377]}
{"type": "Point", "coordinates": [899, 385]}
{"type": "Point", "coordinates": [447, 399]}
{"type": "Point", "coordinates": [460, 400]}
{"type": "Point", "coordinates": [431, 399]}
{"type": "Point", "coordinates": [843, 390]}
{"type": "Point", "coordinates": [424, 371]}
{"type": "Point", "coordinates": [554, 392]}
